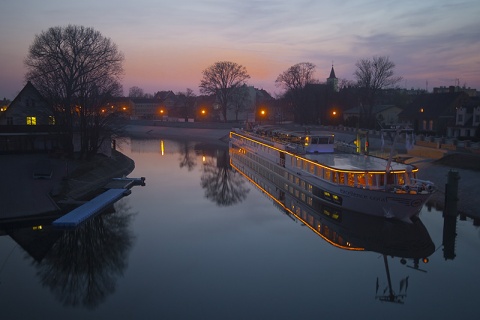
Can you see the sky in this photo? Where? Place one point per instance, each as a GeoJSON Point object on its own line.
{"type": "Point", "coordinates": [168, 43]}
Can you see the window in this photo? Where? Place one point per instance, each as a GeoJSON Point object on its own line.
{"type": "Point", "coordinates": [51, 120]}
{"type": "Point", "coordinates": [32, 121]}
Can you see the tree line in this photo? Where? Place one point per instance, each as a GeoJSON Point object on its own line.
{"type": "Point", "coordinates": [77, 70]}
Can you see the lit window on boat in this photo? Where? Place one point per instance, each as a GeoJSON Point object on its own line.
{"type": "Point", "coordinates": [361, 179]}
{"type": "Point", "coordinates": [310, 188]}
{"type": "Point", "coordinates": [326, 194]}
{"type": "Point", "coordinates": [302, 196]}
{"type": "Point", "coordinates": [320, 172]}
{"type": "Point", "coordinates": [327, 174]}
{"type": "Point", "coordinates": [341, 177]}
{"type": "Point", "coordinates": [400, 179]}
{"type": "Point", "coordinates": [351, 179]}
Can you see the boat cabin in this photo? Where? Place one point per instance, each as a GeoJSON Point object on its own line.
{"type": "Point", "coordinates": [300, 142]}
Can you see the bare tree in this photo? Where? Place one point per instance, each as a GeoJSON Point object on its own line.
{"type": "Point", "coordinates": [70, 66]}
{"type": "Point", "coordinates": [222, 185]}
{"type": "Point", "coordinates": [186, 103]}
{"type": "Point", "coordinates": [294, 80]}
{"type": "Point", "coordinates": [222, 79]}
{"type": "Point", "coordinates": [372, 75]}
{"type": "Point", "coordinates": [241, 100]}
{"type": "Point", "coordinates": [136, 92]}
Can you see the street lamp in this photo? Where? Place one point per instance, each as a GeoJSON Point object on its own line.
{"type": "Point", "coordinates": [262, 115]}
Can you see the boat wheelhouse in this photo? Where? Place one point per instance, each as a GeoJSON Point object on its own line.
{"type": "Point", "coordinates": [353, 182]}
{"type": "Point", "coordinates": [298, 141]}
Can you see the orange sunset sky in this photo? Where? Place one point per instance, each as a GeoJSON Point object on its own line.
{"type": "Point", "coordinates": [167, 43]}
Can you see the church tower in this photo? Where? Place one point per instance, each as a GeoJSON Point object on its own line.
{"type": "Point", "coordinates": [332, 81]}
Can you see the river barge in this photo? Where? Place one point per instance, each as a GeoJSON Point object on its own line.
{"type": "Point", "coordinates": [355, 182]}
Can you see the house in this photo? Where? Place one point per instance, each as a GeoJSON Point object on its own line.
{"type": "Point", "coordinates": [28, 124]}
{"type": "Point", "coordinates": [28, 108]}
{"type": "Point", "coordinates": [384, 114]}
{"type": "Point", "coordinates": [248, 104]}
{"type": "Point", "coordinates": [433, 113]}
{"type": "Point", "coordinates": [148, 108]}
{"type": "Point", "coordinates": [123, 106]}
{"type": "Point", "coordinates": [467, 120]}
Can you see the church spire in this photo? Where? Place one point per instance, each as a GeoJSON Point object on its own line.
{"type": "Point", "coordinates": [332, 80]}
{"type": "Point", "coordinates": [332, 73]}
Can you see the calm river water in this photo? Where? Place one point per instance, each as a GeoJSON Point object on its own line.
{"type": "Point", "coordinates": [201, 241]}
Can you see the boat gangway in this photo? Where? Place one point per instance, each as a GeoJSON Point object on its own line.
{"type": "Point", "coordinates": [90, 208]}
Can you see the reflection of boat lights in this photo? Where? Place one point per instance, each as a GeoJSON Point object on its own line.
{"type": "Point", "coordinates": [347, 247]}
{"type": "Point", "coordinates": [162, 147]}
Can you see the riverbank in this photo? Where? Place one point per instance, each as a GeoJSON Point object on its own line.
{"type": "Point", "coordinates": [24, 196]}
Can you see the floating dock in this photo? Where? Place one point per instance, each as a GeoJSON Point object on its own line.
{"type": "Point", "coordinates": [92, 207]}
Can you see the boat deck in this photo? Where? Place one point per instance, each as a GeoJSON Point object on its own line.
{"type": "Point", "coordinates": [85, 211]}
{"type": "Point", "coordinates": [352, 162]}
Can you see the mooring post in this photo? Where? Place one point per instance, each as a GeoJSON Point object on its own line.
{"type": "Point", "coordinates": [451, 193]}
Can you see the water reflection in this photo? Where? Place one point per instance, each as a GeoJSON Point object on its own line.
{"type": "Point", "coordinates": [80, 266]}
{"type": "Point", "coordinates": [409, 243]}
{"type": "Point", "coordinates": [222, 185]}
{"type": "Point", "coordinates": [187, 155]}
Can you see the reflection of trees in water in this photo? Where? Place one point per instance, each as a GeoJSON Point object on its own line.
{"type": "Point", "coordinates": [187, 156]}
{"type": "Point", "coordinates": [222, 185]}
{"type": "Point", "coordinates": [82, 266]}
